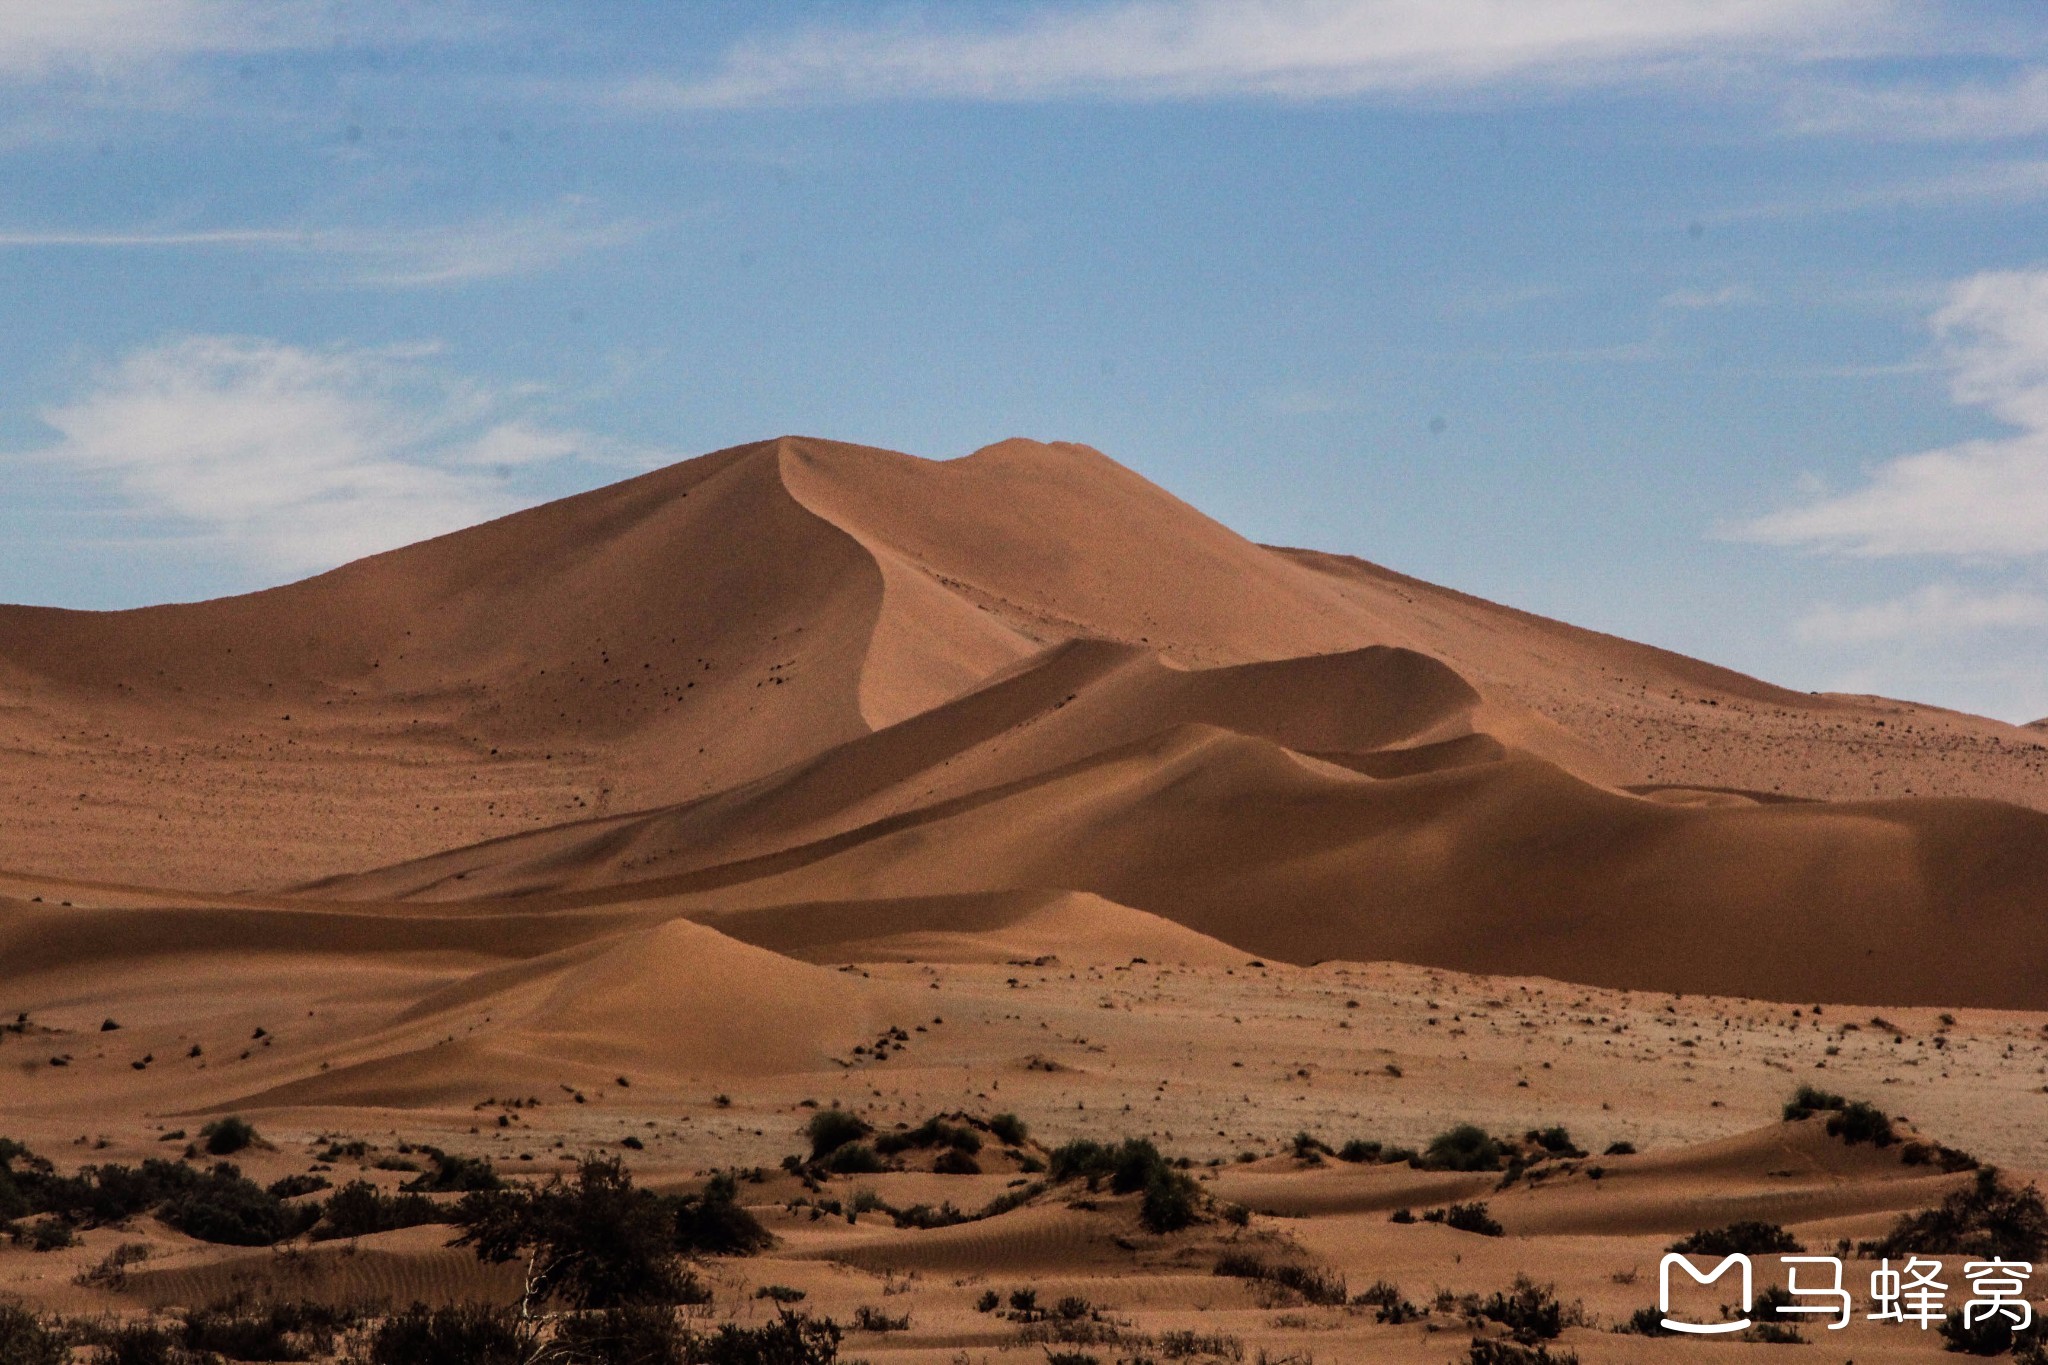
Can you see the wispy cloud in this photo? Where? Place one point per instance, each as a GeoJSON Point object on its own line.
{"type": "Point", "coordinates": [295, 460]}
{"type": "Point", "coordinates": [1975, 110]}
{"type": "Point", "coordinates": [1727, 296]}
{"type": "Point", "coordinates": [1986, 184]}
{"type": "Point", "coordinates": [1983, 499]}
{"type": "Point", "coordinates": [1144, 49]}
{"type": "Point", "coordinates": [395, 258]}
{"type": "Point", "coordinates": [1939, 611]}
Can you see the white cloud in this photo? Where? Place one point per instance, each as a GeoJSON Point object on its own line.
{"type": "Point", "coordinates": [1936, 612]}
{"type": "Point", "coordinates": [1286, 48]}
{"type": "Point", "coordinates": [1982, 499]}
{"type": "Point", "coordinates": [113, 39]}
{"type": "Point", "coordinates": [296, 460]}
{"type": "Point", "coordinates": [1974, 110]}
{"type": "Point", "coordinates": [395, 258]}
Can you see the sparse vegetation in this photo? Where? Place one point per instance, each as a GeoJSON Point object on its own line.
{"type": "Point", "coordinates": [831, 1129]}
{"type": "Point", "coordinates": [462, 1334]}
{"type": "Point", "coordinates": [1466, 1147]}
{"type": "Point", "coordinates": [1490, 1351]}
{"type": "Point", "coordinates": [26, 1340]}
{"type": "Point", "coordinates": [1132, 1166]}
{"type": "Point", "coordinates": [594, 1240]}
{"type": "Point", "coordinates": [1987, 1219]}
{"type": "Point", "coordinates": [360, 1209]}
{"type": "Point", "coordinates": [1747, 1238]}
{"type": "Point", "coordinates": [1530, 1311]}
{"type": "Point", "coordinates": [1472, 1217]}
{"type": "Point", "coordinates": [226, 1136]}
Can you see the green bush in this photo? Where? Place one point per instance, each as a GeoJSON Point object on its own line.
{"type": "Point", "coordinates": [1466, 1147]}
{"type": "Point", "coordinates": [466, 1334]}
{"type": "Point", "coordinates": [25, 1340]}
{"type": "Point", "coordinates": [360, 1209]}
{"type": "Point", "coordinates": [1010, 1129]}
{"type": "Point", "coordinates": [1808, 1100]}
{"type": "Point", "coordinates": [792, 1339]}
{"type": "Point", "coordinates": [225, 1208]}
{"type": "Point", "coordinates": [831, 1129]}
{"type": "Point", "coordinates": [1860, 1122]}
{"type": "Point", "coordinates": [454, 1174]}
{"type": "Point", "coordinates": [1473, 1217]}
{"type": "Point", "coordinates": [713, 1223]}
{"type": "Point", "coordinates": [1529, 1311]}
{"type": "Point", "coordinates": [226, 1136]}
{"type": "Point", "coordinates": [1169, 1203]}
{"type": "Point", "coordinates": [619, 1336]}
{"type": "Point", "coordinates": [855, 1158]}
{"type": "Point", "coordinates": [1987, 1220]}
{"type": "Point", "coordinates": [1747, 1238]}
{"type": "Point", "coordinates": [1489, 1352]}
{"type": "Point", "coordinates": [593, 1241]}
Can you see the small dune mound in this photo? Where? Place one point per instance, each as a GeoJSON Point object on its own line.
{"type": "Point", "coordinates": [1072, 926]}
{"type": "Point", "coordinates": [684, 998]}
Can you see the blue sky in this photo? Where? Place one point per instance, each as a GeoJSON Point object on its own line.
{"type": "Point", "coordinates": [1722, 326]}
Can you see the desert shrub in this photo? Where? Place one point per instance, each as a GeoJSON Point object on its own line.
{"type": "Point", "coordinates": [239, 1336]}
{"type": "Point", "coordinates": [1472, 1217]}
{"type": "Point", "coordinates": [226, 1136]}
{"type": "Point", "coordinates": [1308, 1147]}
{"type": "Point", "coordinates": [1307, 1282]}
{"type": "Point", "coordinates": [831, 1129]}
{"type": "Point", "coordinates": [1950, 1159]}
{"type": "Point", "coordinates": [1184, 1344]}
{"type": "Point", "coordinates": [360, 1209]}
{"type": "Point", "coordinates": [988, 1302]}
{"type": "Point", "coordinates": [292, 1186]}
{"type": "Point", "coordinates": [1324, 1287]}
{"type": "Point", "coordinates": [1491, 1352]}
{"type": "Point", "coordinates": [1620, 1149]}
{"type": "Point", "coordinates": [224, 1207]}
{"type": "Point", "coordinates": [1466, 1147]}
{"type": "Point", "coordinates": [933, 1132]}
{"type": "Point", "coordinates": [792, 1339]}
{"type": "Point", "coordinates": [925, 1216]}
{"type": "Point", "coordinates": [454, 1174]}
{"type": "Point", "coordinates": [1987, 1219]}
{"type": "Point", "coordinates": [142, 1343]}
{"type": "Point", "coordinates": [855, 1158]}
{"type": "Point", "coordinates": [1860, 1122]}
{"type": "Point", "coordinates": [1010, 1129]}
{"type": "Point", "coordinates": [1808, 1100]}
{"type": "Point", "coordinates": [1359, 1150]}
{"type": "Point", "coordinates": [465, 1334]}
{"type": "Point", "coordinates": [1169, 1203]}
{"type": "Point", "coordinates": [1529, 1311]}
{"type": "Point", "coordinates": [594, 1241]}
{"type": "Point", "coordinates": [45, 1234]}
{"type": "Point", "coordinates": [714, 1223]}
{"type": "Point", "coordinates": [1646, 1322]}
{"type": "Point", "coordinates": [26, 1340]}
{"type": "Point", "coordinates": [619, 1336]}
{"type": "Point", "coordinates": [867, 1318]}
{"type": "Point", "coordinates": [1556, 1140]}
{"type": "Point", "coordinates": [953, 1161]}
{"type": "Point", "coordinates": [782, 1293]}
{"type": "Point", "coordinates": [1746, 1238]}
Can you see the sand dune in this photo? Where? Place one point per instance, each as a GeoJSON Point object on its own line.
{"type": "Point", "coordinates": [703, 626]}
